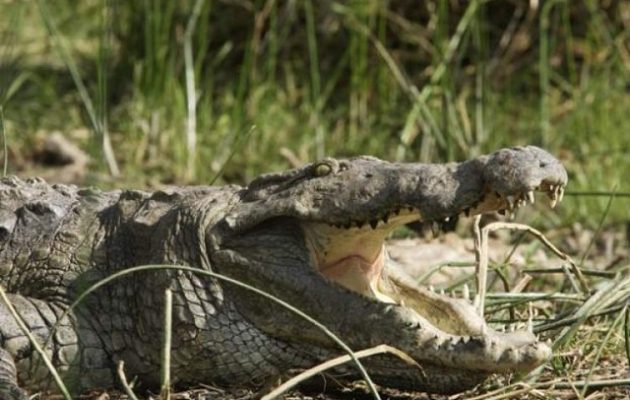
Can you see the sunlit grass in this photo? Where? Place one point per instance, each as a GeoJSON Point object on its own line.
{"type": "Point", "coordinates": [443, 82]}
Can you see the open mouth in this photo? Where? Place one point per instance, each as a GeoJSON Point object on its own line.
{"type": "Point", "coordinates": [328, 222]}
{"type": "Point", "coordinates": [354, 256]}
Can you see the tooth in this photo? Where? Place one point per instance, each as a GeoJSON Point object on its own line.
{"type": "Point", "coordinates": [510, 200]}
{"type": "Point", "coordinates": [466, 292]}
{"type": "Point", "coordinates": [557, 194]}
{"type": "Point", "coordinates": [442, 292]}
{"type": "Point", "coordinates": [552, 193]}
{"type": "Point", "coordinates": [374, 223]}
{"type": "Point", "coordinates": [431, 288]}
{"type": "Point", "coordinates": [530, 197]}
{"type": "Point", "coordinates": [435, 229]}
{"type": "Point", "coordinates": [484, 330]}
{"type": "Point", "coordinates": [447, 219]}
{"type": "Point", "coordinates": [530, 319]}
{"type": "Point", "coordinates": [560, 194]}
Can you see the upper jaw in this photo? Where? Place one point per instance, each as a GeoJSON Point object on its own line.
{"type": "Point", "coordinates": [519, 171]}
{"type": "Point", "coordinates": [552, 186]}
{"type": "Point", "coordinates": [511, 201]}
{"type": "Point", "coordinates": [495, 189]}
{"type": "Point", "coordinates": [491, 200]}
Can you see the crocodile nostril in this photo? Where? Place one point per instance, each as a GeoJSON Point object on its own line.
{"type": "Point", "coordinates": [542, 164]}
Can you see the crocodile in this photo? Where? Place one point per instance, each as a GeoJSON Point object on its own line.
{"type": "Point", "coordinates": [312, 236]}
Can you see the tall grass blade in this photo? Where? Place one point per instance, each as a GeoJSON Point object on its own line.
{"type": "Point", "coordinates": [326, 365]}
{"type": "Point", "coordinates": [315, 77]}
{"type": "Point", "coordinates": [102, 70]}
{"type": "Point", "coordinates": [38, 348]}
{"type": "Point", "coordinates": [543, 70]}
{"type": "Point", "coordinates": [242, 140]}
{"type": "Point", "coordinates": [60, 45]}
{"type": "Point", "coordinates": [165, 393]}
{"type": "Point", "coordinates": [598, 353]}
{"type": "Point", "coordinates": [479, 39]}
{"type": "Point", "coordinates": [191, 92]}
{"type": "Point", "coordinates": [5, 150]}
{"type": "Point", "coordinates": [609, 294]}
{"type": "Point", "coordinates": [439, 72]}
{"type": "Point", "coordinates": [11, 74]}
{"type": "Point", "coordinates": [123, 380]}
{"type": "Point", "coordinates": [600, 227]}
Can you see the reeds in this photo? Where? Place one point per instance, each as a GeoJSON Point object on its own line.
{"type": "Point", "coordinates": [169, 88]}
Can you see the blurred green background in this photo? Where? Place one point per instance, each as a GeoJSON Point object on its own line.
{"type": "Point", "coordinates": [200, 91]}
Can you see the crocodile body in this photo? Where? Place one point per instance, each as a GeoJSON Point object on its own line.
{"type": "Point", "coordinates": [312, 236]}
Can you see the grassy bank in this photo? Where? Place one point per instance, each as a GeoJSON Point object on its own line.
{"type": "Point", "coordinates": [163, 91]}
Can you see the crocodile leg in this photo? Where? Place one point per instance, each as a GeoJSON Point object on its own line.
{"type": "Point", "coordinates": [73, 349]}
{"type": "Point", "coordinates": [9, 389]}
{"type": "Point", "coordinates": [20, 361]}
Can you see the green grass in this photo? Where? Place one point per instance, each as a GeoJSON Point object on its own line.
{"type": "Point", "coordinates": [171, 90]}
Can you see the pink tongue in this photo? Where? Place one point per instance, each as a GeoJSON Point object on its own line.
{"type": "Point", "coordinates": [355, 273]}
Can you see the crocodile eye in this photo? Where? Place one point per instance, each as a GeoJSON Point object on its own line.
{"type": "Point", "coordinates": [322, 169]}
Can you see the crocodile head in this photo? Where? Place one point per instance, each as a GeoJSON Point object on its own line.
{"type": "Point", "coordinates": [344, 211]}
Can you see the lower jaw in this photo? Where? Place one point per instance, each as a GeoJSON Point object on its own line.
{"type": "Point", "coordinates": [447, 314]}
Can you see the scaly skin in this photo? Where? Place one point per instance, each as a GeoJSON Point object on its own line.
{"type": "Point", "coordinates": [301, 235]}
